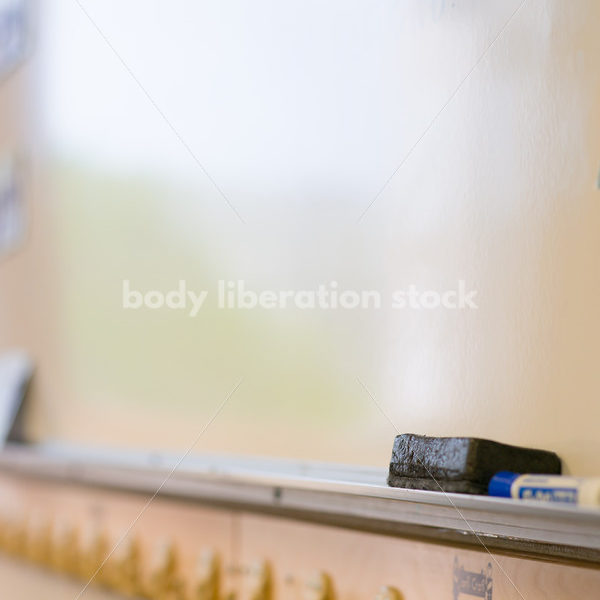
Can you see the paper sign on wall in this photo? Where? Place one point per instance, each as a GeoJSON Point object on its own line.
{"type": "Point", "coordinates": [16, 370]}
{"type": "Point", "coordinates": [12, 206]}
{"type": "Point", "coordinates": [13, 34]}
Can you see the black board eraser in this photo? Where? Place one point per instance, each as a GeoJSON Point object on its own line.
{"type": "Point", "coordinates": [461, 464]}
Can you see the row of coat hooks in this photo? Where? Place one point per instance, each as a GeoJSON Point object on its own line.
{"type": "Point", "coordinates": [124, 568]}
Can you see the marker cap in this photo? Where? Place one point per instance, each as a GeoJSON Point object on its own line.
{"type": "Point", "coordinates": [501, 483]}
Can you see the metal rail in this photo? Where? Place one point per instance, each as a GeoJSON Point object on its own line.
{"type": "Point", "coordinates": [330, 494]}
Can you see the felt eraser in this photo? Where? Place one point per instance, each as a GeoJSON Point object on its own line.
{"type": "Point", "coordinates": [461, 464]}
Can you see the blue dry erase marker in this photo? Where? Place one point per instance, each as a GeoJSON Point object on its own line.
{"type": "Point", "coordinates": [584, 491]}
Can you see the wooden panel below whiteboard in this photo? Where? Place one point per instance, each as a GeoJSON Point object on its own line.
{"type": "Point", "coordinates": [273, 558]}
{"type": "Point", "coordinates": [359, 564]}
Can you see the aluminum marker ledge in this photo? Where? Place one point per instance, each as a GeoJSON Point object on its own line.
{"type": "Point", "coordinates": [330, 494]}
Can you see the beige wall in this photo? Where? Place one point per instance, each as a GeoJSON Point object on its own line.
{"type": "Point", "coordinates": [28, 270]}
